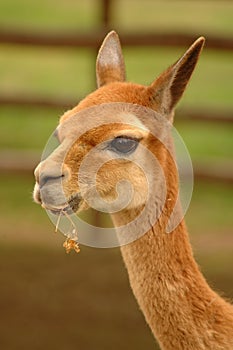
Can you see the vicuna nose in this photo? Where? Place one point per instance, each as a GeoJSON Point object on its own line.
{"type": "Point", "coordinates": [45, 173]}
{"type": "Point", "coordinates": [44, 178]}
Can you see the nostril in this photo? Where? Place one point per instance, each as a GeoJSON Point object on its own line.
{"type": "Point", "coordinates": [44, 178]}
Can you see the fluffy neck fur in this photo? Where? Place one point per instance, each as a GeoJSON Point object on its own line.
{"type": "Point", "coordinates": [179, 306]}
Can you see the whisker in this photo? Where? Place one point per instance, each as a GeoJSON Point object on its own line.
{"type": "Point", "coordinates": [58, 221]}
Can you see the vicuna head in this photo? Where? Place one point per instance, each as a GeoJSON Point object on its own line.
{"type": "Point", "coordinates": [107, 140]}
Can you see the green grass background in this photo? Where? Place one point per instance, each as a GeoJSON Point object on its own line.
{"type": "Point", "coordinates": [49, 299]}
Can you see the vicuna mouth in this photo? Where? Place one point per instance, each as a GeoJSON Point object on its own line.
{"type": "Point", "coordinates": [70, 207]}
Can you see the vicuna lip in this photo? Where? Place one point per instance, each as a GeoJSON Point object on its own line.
{"type": "Point", "coordinates": [57, 211]}
{"type": "Point", "coordinates": [69, 208]}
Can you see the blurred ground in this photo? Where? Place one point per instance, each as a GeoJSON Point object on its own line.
{"type": "Point", "coordinates": [52, 300]}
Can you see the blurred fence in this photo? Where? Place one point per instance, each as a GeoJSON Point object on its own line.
{"type": "Point", "coordinates": [9, 161]}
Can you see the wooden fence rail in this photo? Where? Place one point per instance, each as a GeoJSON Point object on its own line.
{"type": "Point", "coordinates": [24, 163]}
{"type": "Point", "coordinates": [207, 115]}
{"type": "Point", "coordinates": [94, 38]}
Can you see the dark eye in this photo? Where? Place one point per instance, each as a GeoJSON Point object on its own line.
{"type": "Point", "coordinates": [123, 145]}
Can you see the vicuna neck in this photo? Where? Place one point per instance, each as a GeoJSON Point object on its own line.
{"type": "Point", "coordinates": [179, 306]}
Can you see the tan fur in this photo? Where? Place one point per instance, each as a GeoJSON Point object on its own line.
{"type": "Point", "coordinates": [183, 312]}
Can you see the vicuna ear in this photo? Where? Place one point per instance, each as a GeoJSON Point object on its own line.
{"type": "Point", "coordinates": [110, 66]}
{"type": "Point", "coordinates": [168, 88]}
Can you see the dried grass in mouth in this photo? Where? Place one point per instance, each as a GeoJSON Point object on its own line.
{"type": "Point", "coordinates": [71, 243]}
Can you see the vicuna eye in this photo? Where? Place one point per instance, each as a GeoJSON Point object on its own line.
{"type": "Point", "coordinates": [123, 145]}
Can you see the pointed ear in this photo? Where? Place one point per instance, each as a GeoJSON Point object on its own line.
{"type": "Point", "coordinates": [110, 66]}
{"type": "Point", "coordinates": [167, 89]}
